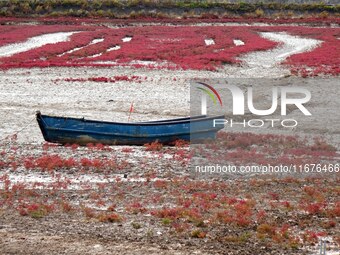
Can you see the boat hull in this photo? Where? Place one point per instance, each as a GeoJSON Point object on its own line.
{"type": "Point", "coordinates": [64, 130]}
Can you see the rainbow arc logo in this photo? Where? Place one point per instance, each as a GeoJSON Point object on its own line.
{"type": "Point", "coordinates": [211, 92]}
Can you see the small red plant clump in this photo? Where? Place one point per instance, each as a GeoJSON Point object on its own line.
{"type": "Point", "coordinates": [106, 79]}
{"type": "Point", "coordinates": [127, 150]}
{"type": "Point", "coordinates": [171, 213]}
{"type": "Point", "coordinates": [261, 216]}
{"type": "Point", "coordinates": [287, 205]}
{"type": "Point", "coordinates": [75, 79]}
{"type": "Point", "coordinates": [334, 211]}
{"type": "Point", "coordinates": [314, 208]}
{"type": "Point", "coordinates": [240, 213]}
{"type": "Point", "coordinates": [111, 217]}
{"type": "Point", "coordinates": [312, 237]}
{"type": "Point", "coordinates": [98, 164]}
{"type": "Point", "coordinates": [180, 143]}
{"type": "Point", "coordinates": [98, 146]}
{"type": "Point", "coordinates": [66, 207]}
{"type": "Point", "coordinates": [2, 164]}
{"type": "Point", "coordinates": [160, 184]}
{"type": "Point", "coordinates": [53, 162]}
{"type": "Point", "coordinates": [329, 224]}
{"type": "Point", "coordinates": [127, 78]}
{"type": "Point", "coordinates": [197, 233]}
{"type": "Point", "coordinates": [49, 162]}
{"type": "Point", "coordinates": [154, 146]}
{"type": "Point", "coordinates": [136, 208]}
{"type": "Point", "coordinates": [89, 212]}
{"type": "Point", "coordinates": [274, 196]}
{"type": "Point", "coordinates": [266, 230]}
{"type": "Point", "coordinates": [35, 210]}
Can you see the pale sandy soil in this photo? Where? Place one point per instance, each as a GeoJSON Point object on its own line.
{"type": "Point", "coordinates": [34, 42]}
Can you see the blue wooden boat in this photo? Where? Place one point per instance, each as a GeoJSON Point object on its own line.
{"type": "Point", "coordinates": [65, 130]}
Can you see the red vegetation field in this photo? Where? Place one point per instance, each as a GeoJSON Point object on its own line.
{"type": "Point", "coordinates": [250, 148]}
{"type": "Point", "coordinates": [289, 212]}
{"type": "Point", "coordinates": [171, 47]}
{"type": "Point", "coordinates": [324, 59]}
